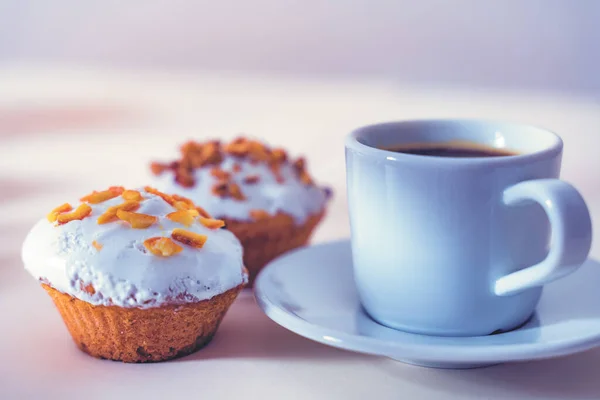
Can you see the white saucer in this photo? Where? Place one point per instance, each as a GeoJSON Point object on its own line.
{"type": "Point", "coordinates": [311, 292]}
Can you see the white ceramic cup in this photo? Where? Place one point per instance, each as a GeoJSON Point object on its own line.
{"type": "Point", "coordinates": [460, 246]}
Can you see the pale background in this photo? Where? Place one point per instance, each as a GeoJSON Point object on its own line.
{"type": "Point", "coordinates": [90, 91]}
{"type": "Point", "coordinates": [534, 44]}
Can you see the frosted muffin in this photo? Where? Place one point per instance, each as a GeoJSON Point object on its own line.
{"type": "Point", "coordinates": [137, 275]}
{"type": "Point", "coordinates": [269, 201]}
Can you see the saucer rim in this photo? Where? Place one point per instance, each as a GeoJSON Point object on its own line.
{"type": "Point", "coordinates": [398, 349]}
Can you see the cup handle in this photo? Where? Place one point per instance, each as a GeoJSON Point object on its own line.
{"type": "Point", "coordinates": [571, 227]}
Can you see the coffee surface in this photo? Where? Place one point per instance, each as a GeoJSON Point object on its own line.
{"type": "Point", "coordinates": [450, 149]}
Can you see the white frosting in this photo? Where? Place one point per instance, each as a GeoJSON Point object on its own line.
{"type": "Point", "coordinates": [291, 197]}
{"type": "Point", "coordinates": [123, 272]}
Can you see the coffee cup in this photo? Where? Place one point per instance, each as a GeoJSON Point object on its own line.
{"type": "Point", "coordinates": [460, 244]}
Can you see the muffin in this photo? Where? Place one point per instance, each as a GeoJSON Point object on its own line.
{"type": "Point", "coordinates": [269, 201]}
{"type": "Point", "coordinates": [137, 275]}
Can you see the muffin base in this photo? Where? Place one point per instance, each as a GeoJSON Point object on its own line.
{"type": "Point", "coordinates": [136, 335]}
{"type": "Point", "coordinates": [268, 238]}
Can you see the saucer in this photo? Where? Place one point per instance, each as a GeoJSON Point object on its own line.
{"type": "Point", "coordinates": [311, 292]}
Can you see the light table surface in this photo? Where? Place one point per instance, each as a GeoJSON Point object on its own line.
{"type": "Point", "coordinates": [65, 131]}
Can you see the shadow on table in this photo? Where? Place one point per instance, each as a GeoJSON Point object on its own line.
{"type": "Point", "coordinates": [247, 333]}
{"type": "Point", "coordinates": [572, 377]}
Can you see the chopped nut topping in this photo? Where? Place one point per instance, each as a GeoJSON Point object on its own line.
{"type": "Point", "coordinates": [186, 200]}
{"type": "Point", "coordinates": [182, 203]}
{"type": "Point", "coordinates": [238, 148]}
{"type": "Point", "coordinates": [299, 164]}
{"type": "Point", "coordinates": [136, 220]}
{"type": "Point", "coordinates": [162, 246]}
{"type": "Point", "coordinates": [185, 213]}
{"type": "Point", "coordinates": [219, 173]}
{"type": "Point", "coordinates": [132, 195]}
{"type": "Point", "coordinates": [203, 213]}
{"type": "Point", "coordinates": [300, 167]}
{"type": "Point", "coordinates": [235, 192]}
{"type": "Point", "coordinates": [63, 208]}
{"type": "Point", "coordinates": [305, 178]}
{"type": "Point", "coordinates": [158, 168]}
{"type": "Point", "coordinates": [99, 197]}
{"type": "Point", "coordinates": [89, 288]}
{"type": "Point", "coordinates": [228, 189]}
{"type": "Point", "coordinates": [258, 215]}
{"type": "Point", "coordinates": [278, 155]}
{"type": "Point", "coordinates": [258, 152]}
{"type": "Point", "coordinates": [212, 223]}
{"type": "Point", "coordinates": [164, 196]}
{"type": "Point", "coordinates": [276, 170]}
{"type": "Point", "coordinates": [117, 189]}
{"type": "Point", "coordinates": [189, 238]}
{"type": "Point", "coordinates": [202, 154]}
{"type": "Point", "coordinates": [221, 189]}
{"type": "Point", "coordinates": [184, 217]}
{"type": "Point", "coordinates": [211, 154]}
{"type": "Point", "coordinates": [184, 177]}
{"type": "Point", "coordinates": [80, 213]}
{"type": "Point", "coordinates": [251, 179]}
{"type": "Point", "coordinates": [110, 215]}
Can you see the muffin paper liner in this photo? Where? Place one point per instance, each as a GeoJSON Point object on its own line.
{"type": "Point", "coordinates": [136, 335]}
{"type": "Point", "coordinates": [265, 239]}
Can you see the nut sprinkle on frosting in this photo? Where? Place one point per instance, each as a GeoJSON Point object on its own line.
{"type": "Point", "coordinates": [185, 213]}
{"type": "Point", "coordinates": [135, 248]}
{"type": "Point", "coordinates": [232, 179]}
{"type": "Point", "coordinates": [198, 155]}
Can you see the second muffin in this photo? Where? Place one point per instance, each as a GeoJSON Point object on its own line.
{"type": "Point", "coordinates": [269, 201]}
{"type": "Point", "coordinates": [136, 275]}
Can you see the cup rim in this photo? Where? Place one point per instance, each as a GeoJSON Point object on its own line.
{"type": "Point", "coordinates": [352, 142]}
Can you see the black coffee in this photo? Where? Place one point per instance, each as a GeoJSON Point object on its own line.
{"type": "Point", "coordinates": [450, 149]}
